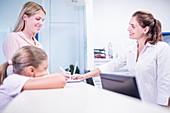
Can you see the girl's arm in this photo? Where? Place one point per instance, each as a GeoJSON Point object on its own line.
{"type": "Point", "coordinates": [54, 80]}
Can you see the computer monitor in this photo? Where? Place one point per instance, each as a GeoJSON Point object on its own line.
{"type": "Point", "coordinates": [166, 37]}
{"type": "Point", "coordinates": [122, 84]}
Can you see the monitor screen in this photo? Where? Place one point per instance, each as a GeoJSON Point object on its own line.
{"type": "Point", "coordinates": [166, 37]}
{"type": "Point", "coordinates": [123, 84]}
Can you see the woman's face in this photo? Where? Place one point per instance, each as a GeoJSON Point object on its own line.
{"type": "Point", "coordinates": [135, 30]}
{"type": "Point", "coordinates": [42, 69]}
{"type": "Point", "coordinates": [34, 23]}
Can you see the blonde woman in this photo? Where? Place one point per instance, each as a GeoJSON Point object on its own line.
{"type": "Point", "coordinates": [29, 22]}
{"type": "Point", "coordinates": [29, 73]}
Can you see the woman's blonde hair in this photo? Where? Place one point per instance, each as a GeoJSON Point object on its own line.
{"type": "Point", "coordinates": [24, 57]}
{"type": "Point", "coordinates": [29, 8]}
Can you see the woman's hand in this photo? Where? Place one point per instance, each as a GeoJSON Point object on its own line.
{"type": "Point", "coordinates": [78, 77]}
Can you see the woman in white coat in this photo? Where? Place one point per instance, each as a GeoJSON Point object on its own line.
{"type": "Point", "coordinates": [148, 60]}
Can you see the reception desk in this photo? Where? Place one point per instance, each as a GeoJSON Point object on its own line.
{"type": "Point", "coordinates": [78, 98]}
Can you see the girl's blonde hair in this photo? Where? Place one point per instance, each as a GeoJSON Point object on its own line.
{"type": "Point", "coordinates": [24, 57]}
{"type": "Point", "coordinates": [29, 8]}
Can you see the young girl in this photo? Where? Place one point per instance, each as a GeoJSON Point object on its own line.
{"type": "Point", "coordinates": [30, 72]}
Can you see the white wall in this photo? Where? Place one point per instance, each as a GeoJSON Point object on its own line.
{"type": "Point", "coordinates": [63, 34]}
{"type": "Point", "coordinates": [111, 19]}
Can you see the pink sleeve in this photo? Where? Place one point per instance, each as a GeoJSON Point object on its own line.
{"type": "Point", "coordinates": [10, 45]}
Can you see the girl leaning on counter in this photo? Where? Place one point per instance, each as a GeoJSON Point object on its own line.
{"type": "Point", "coordinates": [30, 72]}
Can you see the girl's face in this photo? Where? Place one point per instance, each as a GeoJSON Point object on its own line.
{"type": "Point", "coordinates": [42, 69]}
{"type": "Point", "coordinates": [34, 23]}
{"type": "Point", "coordinates": [135, 30]}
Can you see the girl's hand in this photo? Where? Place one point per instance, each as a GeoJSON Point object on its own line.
{"type": "Point", "coordinates": [67, 75]}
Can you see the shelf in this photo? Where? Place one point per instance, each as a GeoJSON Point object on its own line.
{"type": "Point", "coordinates": [102, 60]}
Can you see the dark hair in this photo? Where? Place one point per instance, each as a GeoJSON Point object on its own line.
{"type": "Point", "coordinates": [24, 57]}
{"type": "Point", "coordinates": [147, 19]}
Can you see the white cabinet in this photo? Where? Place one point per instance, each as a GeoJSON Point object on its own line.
{"type": "Point", "coordinates": [98, 62]}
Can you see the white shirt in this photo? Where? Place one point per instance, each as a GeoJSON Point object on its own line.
{"type": "Point", "coordinates": [11, 87]}
{"type": "Point", "coordinates": [152, 71]}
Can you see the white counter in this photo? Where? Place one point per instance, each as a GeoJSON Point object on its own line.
{"type": "Point", "coordinates": [78, 98]}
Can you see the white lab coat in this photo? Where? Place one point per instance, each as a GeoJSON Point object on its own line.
{"type": "Point", "coordinates": [152, 71]}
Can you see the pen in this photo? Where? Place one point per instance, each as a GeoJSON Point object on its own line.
{"type": "Point", "coordinates": [74, 71]}
{"type": "Point", "coordinates": [62, 69]}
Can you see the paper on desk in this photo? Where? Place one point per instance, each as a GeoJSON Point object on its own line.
{"type": "Point", "coordinates": [73, 81]}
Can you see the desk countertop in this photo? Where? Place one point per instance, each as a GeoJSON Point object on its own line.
{"type": "Point", "coordinates": [78, 98]}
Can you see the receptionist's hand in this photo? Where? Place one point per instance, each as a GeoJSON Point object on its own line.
{"type": "Point", "coordinates": [78, 77]}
